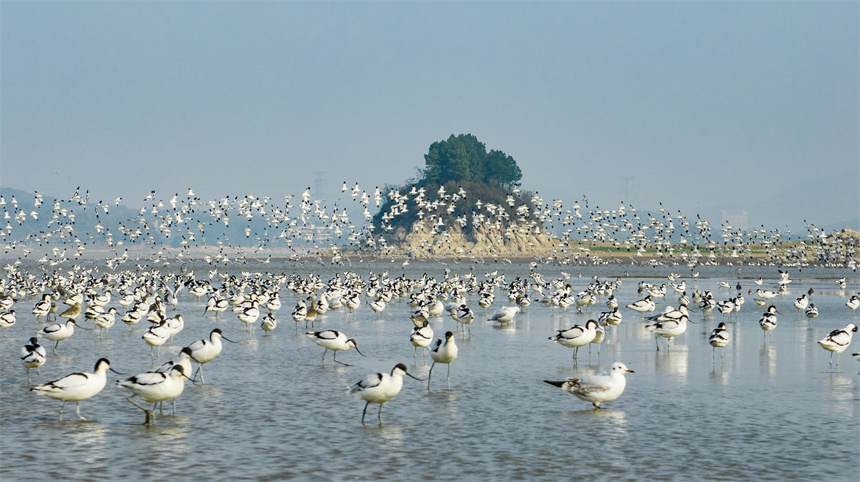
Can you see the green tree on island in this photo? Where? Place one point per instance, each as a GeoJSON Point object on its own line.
{"type": "Point", "coordinates": [461, 165]}
{"type": "Point", "coordinates": [464, 159]}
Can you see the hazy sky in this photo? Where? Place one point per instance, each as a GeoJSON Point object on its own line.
{"type": "Point", "coordinates": [703, 106]}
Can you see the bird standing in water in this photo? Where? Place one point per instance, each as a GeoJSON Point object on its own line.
{"type": "Point", "coordinates": [444, 352]}
{"type": "Point", "coordinates": [379, 388]}
{"type": "Point", "coordinates": [76, 387]}
{"type": "Point", "coordinates": [597, 389]}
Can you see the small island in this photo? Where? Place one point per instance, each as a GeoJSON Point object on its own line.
{"type": "Point", "coordinates": [465, 202]}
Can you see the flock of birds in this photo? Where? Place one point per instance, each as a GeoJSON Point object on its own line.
{"type": "Point", "coordinates": [186, 228]}
{"type": "Point", "coordinates": [53, 235]}
{"type": "Point", "coordinates": [152, 296]}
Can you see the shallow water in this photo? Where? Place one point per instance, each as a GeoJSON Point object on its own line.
{"type": "Point", "coordinates": [271, 410]}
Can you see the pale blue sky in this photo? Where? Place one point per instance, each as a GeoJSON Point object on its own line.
{"type": "Point", "coordinates": [706, 106]}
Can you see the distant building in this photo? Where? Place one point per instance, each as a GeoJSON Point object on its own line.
{"type": "Point", "coordinates": [738, 220]}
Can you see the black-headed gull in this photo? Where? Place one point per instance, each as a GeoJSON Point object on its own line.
{"type": "Point", "coordinates": [597, 389]}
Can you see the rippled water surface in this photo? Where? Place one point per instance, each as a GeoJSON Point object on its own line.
{"type": "Point", "coordinates": [270, 409]}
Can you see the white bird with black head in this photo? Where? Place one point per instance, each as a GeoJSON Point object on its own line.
{"type": "Point", "coordinates": [444, 352]}
{"type": "Point", "coordinates": [155, 387]}
{"type": "Point", "coordinates": [76, 387]}
{"type": "Point", "coordinates": [333, 340]}
{"type": "Point", "coordinates": [379, 388]}
{"type": "Point", "coordinates": [33, 356]}
{"type": "Point", "coordinates": [838, 340]}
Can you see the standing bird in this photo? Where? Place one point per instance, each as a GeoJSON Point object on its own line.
{"type": "Point", "coordinates": [72, 312]}
{"type": "Point", "coordinates": [610, 317]}
{"type": "Point", "coordinates": [33, 356]}
{"type": "Point", "coordinates": [421, 337]}
{"type": "Point", "coordinates": [768, 320]}
{"type": "Point", "coordinates": [612, 302]}
{"type": "Point", "coordinates": [332, 340]}
{"type": "Point", "coordinates": [379, 388]}
{"type": "Point", "coordinates": [464, 316]}
{"type": "Point", "coordinates": [668, 329]}
{"type": "Point", "coordinates": [174, 325]}
{"type": "Point", "coordinates": [133, 317]}
{"type": "Point", "coordinates": [837, 341]}
{"type": "Point", "coordinates": [154, 387]}
{"type": "Point", "coordinates": [766, 294]}
{"type": "Point", "coordinates": [216, 305]}
{"type": "Point", "coordinates": [204, 351]}
{"type": "Point", "coordinates": [420, 315]}
{"type": "Point", "coordinates": [250, 315]}
{"type": "Point", "coordinates": [377, 305]}
{"type": "Point", "coordinates": [42, 308]}
{"type": "Point", "coordinates": [274, 303]}
{"type": "Point", "coordinates": [300, 312]}
{"type": "Point", "coordinates": [269, 323]}
{"type": "Point", "coordinates": [802, 302]}
{"type": "Point", "coordinates": [7, 320]}
{"type": "Point", "coordinates": [156, 336]}
{"type": "Point", "coordinates": [58, 332]}
{"type": "Point", "coordinates": [576, 336]}
{"type": "Point", "coordinates": [184, 361]}
{"type": "Point", "coordinates": [599, 336]}
{"type": "Point", "coordinates": [719, 338]}
{"type": "Point", "coordinates": [506, 315]}
{"type": "Point", "coordinates": [76, 387]}
{"type": "Point", "coordinates": [105, 320]}
{"type": "Point", "coordinates": [444, 352]}
{"type": "Point", "coordinates": [597, 389]}
{"type": "Point", "coordinates": [645, 305]}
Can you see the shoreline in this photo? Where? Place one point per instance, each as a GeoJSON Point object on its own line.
{"type": "Point", "coordinates": [572, 253]}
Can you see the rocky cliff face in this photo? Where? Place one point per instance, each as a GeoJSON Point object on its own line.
{"type": "Point", "coordinates": [487, 241]}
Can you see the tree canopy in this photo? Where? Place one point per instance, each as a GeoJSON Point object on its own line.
{"type": "Point", "coordinates": [459, 177]}
{"type": "Point", "coordinates": [464, 159]}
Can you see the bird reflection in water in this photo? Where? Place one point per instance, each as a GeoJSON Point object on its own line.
{"type": "Point", "coordinates": [767, 356]}
{"type": "Point", "coordinates": [674, 361]}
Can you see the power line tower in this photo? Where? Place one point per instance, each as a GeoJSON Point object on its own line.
{"type": "Point", "coordinates": [319, 184]}
{"type": "Point", "coordinates": [627, 189]}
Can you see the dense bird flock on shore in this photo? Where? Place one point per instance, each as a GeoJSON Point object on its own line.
{"type": "Point", "coordinates": [186, 228]}
{"type": "Point", "coordinates": [60, 302]}
{"type": "Point", "coordinates": [61, 290]}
